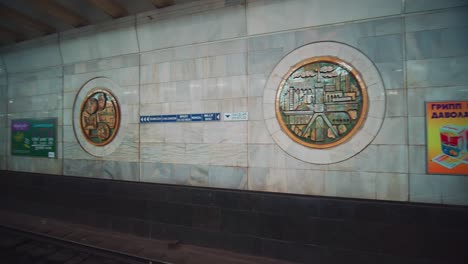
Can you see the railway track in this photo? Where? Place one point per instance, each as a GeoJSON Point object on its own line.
{"type": "Point", "coordinates": [22, 247]}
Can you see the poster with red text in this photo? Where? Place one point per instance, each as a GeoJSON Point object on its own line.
{"type": "Point", "coordinates": [447, 137]}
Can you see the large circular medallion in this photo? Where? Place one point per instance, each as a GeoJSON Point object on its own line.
{"type": "Point", "coordinates": [321, 102]}
{"type": "Point", "coordinates": [99, 117]}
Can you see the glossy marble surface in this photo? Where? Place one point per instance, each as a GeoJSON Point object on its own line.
{"type": "Point", "coordinates": [424, 5]}
{"type": "Point", "coordinates": [35, 94]}
{"type": "Point", "coordinates": [3, 119]}
{"type": "Point", "coordinates": [435, 59]}
{"type": "Point", "coordinates": [262, 15]}
{"type": "Point", "coordinates": [33, 55]}
{"type": "Point", "coordinates": [90, 43]}
{"type": "Point", "coordinates": [218, 57]}
{"type": "Point", "coordinates": [195, 175]}
{"type": "Point", "coordinates": [192, 28]}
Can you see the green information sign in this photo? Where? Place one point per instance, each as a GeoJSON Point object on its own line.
{"type": "Point", "coordinates": [34, 137]}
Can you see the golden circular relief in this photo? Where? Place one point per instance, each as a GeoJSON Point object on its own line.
{"type": "Point", "coordinates": [100, 117]}
{"type": "Point", "coordinates": [321, 102]}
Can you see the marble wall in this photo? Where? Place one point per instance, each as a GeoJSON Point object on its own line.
{"type": "Point", "coordinates": [265, 16]}
{"type": "Point", "coordinates": [122, 164]}
{"type": "Point", "coordinates": [204, 78]}
{"type": "Point", "coordinates": [215, 56]}
{"type": "Point", "coordinates": [436, 61]}
{"type": "Point", "coordinates": [3, 115]}
{"type": "Point", "coordinates": [36, 94]}
{"type": "Point", "coordinates": [33, 55]}
{"type": "Point", "coordinates": [271, 169]}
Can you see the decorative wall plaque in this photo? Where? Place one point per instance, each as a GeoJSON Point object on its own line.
{"type": "Point", "coordinates": [324, 102]}
{"type": "Point", "coordinates": [99, 117]}
{"type": "Point", "coordinates": [321, 102]}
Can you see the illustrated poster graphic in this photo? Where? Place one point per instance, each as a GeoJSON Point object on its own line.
{"type": "Point", "coordinates": [447, 137]}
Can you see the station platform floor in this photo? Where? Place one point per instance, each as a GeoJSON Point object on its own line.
{"type": "Point", "coordinates": [154, 251]}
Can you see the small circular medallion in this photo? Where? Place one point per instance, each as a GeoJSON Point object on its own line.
{"type": "Point", "coordinates": [99, 117]}
{"type": "Point", "coordinates": [321, 102]}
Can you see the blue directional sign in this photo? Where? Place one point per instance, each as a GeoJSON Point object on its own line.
{"type": "Point", "coordinates": [180, 118]}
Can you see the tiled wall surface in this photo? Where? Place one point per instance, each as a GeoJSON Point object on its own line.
{"type": "Point", "coordinates": [305, 229]}
{"type": "Point", "coordinates": [215, 56]}
{"type": "Point", "coordinates": [271, 169]}
{"type": "Point", "coordinates": [99, 41]}
{"type": "Point", "coordinates": [263, 15]}
{"type": "Point", "coordinates": [436, 58]}
{"type": "Point", "coordinates": [122, 164]}
{"type": "Point", "coordinates": [36, 94]}
{"type": "Point", "coordinates": [211, 21]}
{"type": "Point", "coordinates": [33, 55]}
{"type": "Point", "coordinates": [3, 114]}
{"type": "Point", "coordinates": [205, 78]}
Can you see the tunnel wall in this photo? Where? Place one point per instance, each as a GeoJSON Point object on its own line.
{"type": "Point", "coordinates": [216, 57]}
{"type": "Point", "coordinates": [305, 229]}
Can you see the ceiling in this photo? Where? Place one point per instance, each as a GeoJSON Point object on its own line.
{"type": "Point", "coordinates": [27, 19]}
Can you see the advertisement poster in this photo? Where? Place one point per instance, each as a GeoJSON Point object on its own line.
{"type": "Point", "coordinates": [34, 137]}
{"type": "Point", "coordinates": [447, 137]}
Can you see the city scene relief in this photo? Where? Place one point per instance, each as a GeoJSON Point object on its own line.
{"type": "Point", "coordinates": [100, 117]}
{"type": "Point", "coordinates": [321, 103]}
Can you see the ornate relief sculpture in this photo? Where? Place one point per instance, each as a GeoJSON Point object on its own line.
{"type": "Point", "coordinates": [321, 102]}
{"type": "Point", "coordinates": [100, 117]}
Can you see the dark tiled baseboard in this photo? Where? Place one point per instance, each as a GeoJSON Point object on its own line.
{"type": "Point", "coordinates": [292, 227]}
